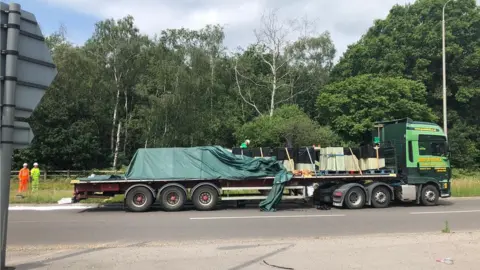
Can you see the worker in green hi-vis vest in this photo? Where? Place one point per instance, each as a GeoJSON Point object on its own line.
{"type": "Point", "coordinates": [35, 174]}
{"type": "Point", "coordinates": [245, 144]}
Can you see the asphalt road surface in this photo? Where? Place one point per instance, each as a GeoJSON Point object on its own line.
{"type": "Point", "coordinates": [95, 226]}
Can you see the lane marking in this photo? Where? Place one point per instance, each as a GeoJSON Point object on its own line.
{"type": "Point", "coordinates": [444, 212]}
{"type": "Point", "coordinates": [258, 217]}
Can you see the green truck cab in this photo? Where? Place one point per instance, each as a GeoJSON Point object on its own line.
{"type": "Point", "coordinates": [421, 151]}
{"type": "Point", "coordinates": [419, 156]}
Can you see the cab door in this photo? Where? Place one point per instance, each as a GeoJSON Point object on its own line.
{"type": "Point", "coordinates": [433, 156]}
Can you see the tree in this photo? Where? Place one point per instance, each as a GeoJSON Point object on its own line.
{"type": "Point", "coordinates": [68, 126]}
{"type": "Point", "coordinates": [352, 106]}
{"type": "Point", "coordinates": [186, 96]}
{"type": "Point", "coordinates": [408, 43]}
{"type": "Point", "coordinates": [463, 143]}
{"type": "Point", "coordinates": [269, 72]}
{"type": "Point", "coordinates": [311, 63]}
{"type": "Point", "coordinates": [118, 47]}
{"type": "Point", "coordinates": [289, 126]}
{"type": "Point", "coordinates": [122, 90]}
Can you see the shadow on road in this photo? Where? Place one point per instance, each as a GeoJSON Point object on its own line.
{"type": "Point", "coordinates": [287, 206]}
{"type": "Point", "coordinates": [283, 207]}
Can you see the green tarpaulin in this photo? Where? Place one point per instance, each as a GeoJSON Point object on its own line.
{"type": "Point", "coordinates": [207, 163]}
{"type": "Point", "coordinates": [101, 178]}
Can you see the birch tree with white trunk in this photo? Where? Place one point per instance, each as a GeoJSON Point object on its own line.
{"type": "Point", "coordinates": [281, 49]}
{"type": "Point", "coordinates": [117, 46]}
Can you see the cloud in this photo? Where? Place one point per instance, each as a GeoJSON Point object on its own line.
{"type": "Point", "coordinates": [346, 20]}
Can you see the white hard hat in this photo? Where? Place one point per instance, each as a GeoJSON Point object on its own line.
{"type": "Point", "coordinates": [247, 141]}
{"type": "Point", "coordinates": [35, 164]}
{"type": "Point", "coordinates": [25, 164]}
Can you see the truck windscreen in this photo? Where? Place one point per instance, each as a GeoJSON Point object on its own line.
{"type": "Point", "coordinates": [431, 145]}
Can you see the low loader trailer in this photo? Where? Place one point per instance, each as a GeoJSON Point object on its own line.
{"type": "Point", "coordinates": [403, 160]}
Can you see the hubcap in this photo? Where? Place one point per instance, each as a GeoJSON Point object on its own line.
{"type": "Point", "coordinates": [355, 198]}
{"type": "Point", "coordinates": [139, 199]}
{"type": "Point", "coordinates": [380, 197]}
{"type": "Point", "coordinates": [205, 198]}
{"type": "Point", "coordinates": [430, 195]}
{"type": "Point", "coordinates": [173, 198]}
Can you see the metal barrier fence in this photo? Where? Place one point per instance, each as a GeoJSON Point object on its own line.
{"type": "Point", "coordinates": [67, 174]}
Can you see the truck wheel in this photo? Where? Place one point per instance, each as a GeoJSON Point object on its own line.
{"type": "Point", "coordinates": [381, 197]}
{"type": "Point", "coordinates": [139, 199]}
{"type": "Point", "coordinates": [429, 196]}
{"type": "Point", "coordinates": [173, 198]}
{"type": "Point", "coordinates": [205, 198]}
{"type": "Point", "coordinates": [355, 198]}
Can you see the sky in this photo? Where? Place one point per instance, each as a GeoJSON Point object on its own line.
{"type": "Point", "coordinates": [346, 20]}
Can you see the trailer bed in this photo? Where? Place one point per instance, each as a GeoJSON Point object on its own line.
{"type": "Point", "coordinates": [339, 176]}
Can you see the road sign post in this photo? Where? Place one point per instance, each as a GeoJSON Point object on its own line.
{"type": "Point", "coordinates": [26, 70]}
{"type": "Point", "coordinates": [8, 118]}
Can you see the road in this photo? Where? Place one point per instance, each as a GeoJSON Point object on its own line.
{"type": "Point", "coordinates": [95, 226]}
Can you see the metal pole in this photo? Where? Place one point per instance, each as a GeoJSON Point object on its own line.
{"type": "Point", "coordinates": [8, 113]}
{"type": "Point", "coordinates": [444, 71]}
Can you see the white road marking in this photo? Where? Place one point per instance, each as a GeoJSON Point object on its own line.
{"type": "Point", "coordinates": [258, 217]}
{"type": "Point", "coordinates": [444, 212]}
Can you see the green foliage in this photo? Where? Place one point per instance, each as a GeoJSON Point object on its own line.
{"type": "Point", "coordinates": [352, 106]}
{"type": "Point", "coordinates": [273, 71]}
{"type": "Point", "coordinates": [67, 131]}
{"type": "Point", "coordinates": [289, 126]}
{"type": "Point", "coordinates": [408, 44]}
{"type": "Point", "coordinates": [464, 145]}
{"type": "Point", "coordinates": [312, 61]}
{"type": "Point", "coordinates": [122, 90]}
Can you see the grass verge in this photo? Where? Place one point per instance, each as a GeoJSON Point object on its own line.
{"type": "Point", "coordinates": [50, 191]}
{"type": "Point", "coordinates": [464, 184]}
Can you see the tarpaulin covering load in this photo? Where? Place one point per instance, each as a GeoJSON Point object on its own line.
{"type": "Point", "coordinates": [207, 163]}
{"type": "Point", "coordinates": [108, 177]}
{"type": "Point", "coordinates": [203, 163]}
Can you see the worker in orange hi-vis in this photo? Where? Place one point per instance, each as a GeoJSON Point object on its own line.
{"type": "Point", "coordinates": [23, 177]}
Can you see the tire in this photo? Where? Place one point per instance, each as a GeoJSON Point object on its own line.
{"type": "Point", "coordinates": [173, 198]}
{"type": "Point", "coordinates": [381, 197]}
{"type": "Point", "coordinates": [355, 198]}
{"type": "Point", "coordinates": [139, 199]}
{"type": "Point", "coordinates": [205, 198]}
{"type": "Point", "coordinates": [430, 195]}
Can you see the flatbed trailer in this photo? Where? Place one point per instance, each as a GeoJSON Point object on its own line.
{"type": "Point", "coordinates": [421, 174]}
{"type": "Point", "coordinates": [352, 191]}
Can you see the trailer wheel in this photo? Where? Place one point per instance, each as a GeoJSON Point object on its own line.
{"type": "Point", "coordinates": [430, 195]}
{"type": "Point", "coordinates": [381, 197]}
{"type": "Point", "coordinates": [355, 198]}
{"type": "Point", "coordinates": [173, 198]}
{"type": "Point", "coordinates": [139, 199]}
{"type": "Point", "coordinates": [205, 198]}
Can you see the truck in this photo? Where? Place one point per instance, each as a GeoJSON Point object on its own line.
{"type": "Point", "coordinates": [401, 160]}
